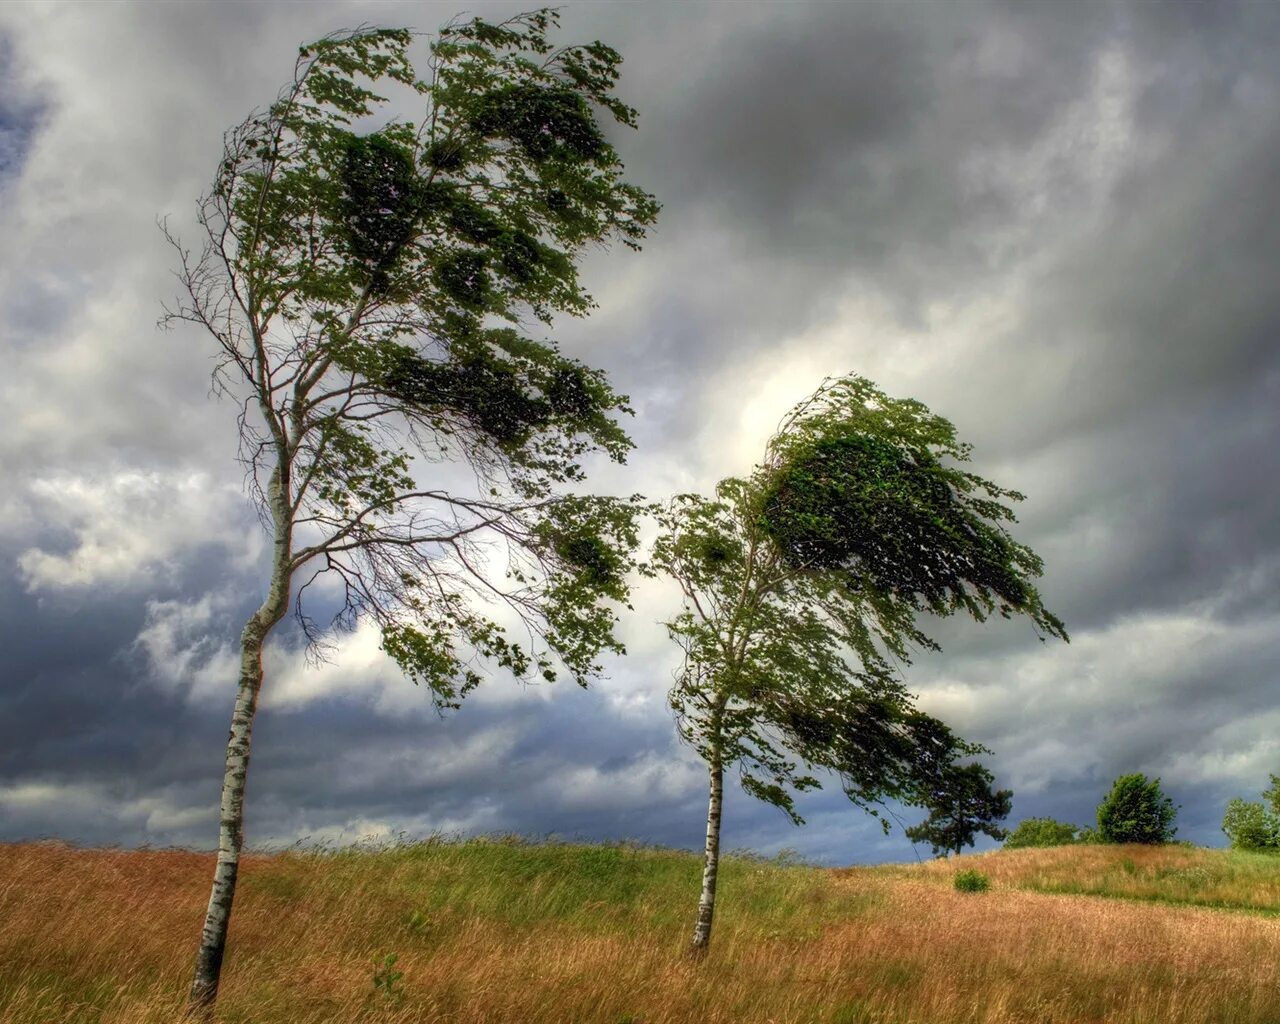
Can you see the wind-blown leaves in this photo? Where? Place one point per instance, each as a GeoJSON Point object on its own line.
{"type": "Point", "coordinates": [371, 290]}
{"type": "Point", "coordinates": [859, 485]}
{"type": "Point", "coordinates": [803, 584]}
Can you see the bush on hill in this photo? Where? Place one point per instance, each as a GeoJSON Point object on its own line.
{"type": "Point", "coordinates": [971, 881]}
{"type": "Point", "coordinates": [1042, 832]}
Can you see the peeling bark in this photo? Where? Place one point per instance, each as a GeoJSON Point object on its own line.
{"type": "Point", "coordinates": [711, 859]}
{"type": "Point", "coordinates": [213, 938]}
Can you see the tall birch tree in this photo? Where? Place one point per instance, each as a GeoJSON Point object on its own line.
{"type": "Point", "coordinates": [372, 283]}
{"type": "Point", "coordinates": [802, 588]}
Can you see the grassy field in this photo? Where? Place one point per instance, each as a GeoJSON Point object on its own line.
{"type": "Point", "coordinates": [496, 931]}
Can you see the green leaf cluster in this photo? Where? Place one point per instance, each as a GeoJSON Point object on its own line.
{"type": "Point", "coordinates": [1136, 811]}
{"type": "Point", "coordinates": [1039, 832]}
{"type": "Point", "coordinates": [1254, 826]}
{"type": "Point", "coordinates": [971, 880]}
{"type": "Point", "coordinates": [860, 487]}
{"type": "Point", "coordinates": [375, 280]}
{"type": "Point", "coordinates": [963, 804]}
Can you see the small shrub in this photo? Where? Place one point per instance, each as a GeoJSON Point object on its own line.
{"type": "Point", "coordinates": [972, 881]}
{"type": "Point", "coordinates": [1042, 832]}
{"type": "Point", "coordinates": [1136, 811]}
{"type": "Point", "coordinates": [386, 979]}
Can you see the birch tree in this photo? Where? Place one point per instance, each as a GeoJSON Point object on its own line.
{"type": "Point", "coordinates": [373, 284]}
{"type": "Point", "coordinates": [802, 588]}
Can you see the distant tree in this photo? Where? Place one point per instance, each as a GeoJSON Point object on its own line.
{"type": "Point", "coordinates": [1136, 811]}
{"type": "Point", "coordinates": [962, 806]}
{"type": "Point", "coordinates": [1042, 832]}
{"type": "Point", "coordinates": [356, 275]}
{"type": "Point", "coordinates": [802, 584]}
{"type": "Point", "coordinates": [1250, 826]}
{"type": "Point", "coordinates": [1272, 795]}
{"type": "Point", "coordinates": [1255, 826]}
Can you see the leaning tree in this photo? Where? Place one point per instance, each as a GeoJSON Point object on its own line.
{"type": "Point", "coordinates": [802, 585]}
{"type": "Point", "coordinates": [372, 283]}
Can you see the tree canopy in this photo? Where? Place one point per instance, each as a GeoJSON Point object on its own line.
{"type": "Point", "coordinates": [1250, 826]}
{"type": "Point", "coordinates": [1042, 832]}
{"type": "Point", "coordinates": [869, 490]}
{"type": "Point", "coordinates": [371, 282]}
{"type": "Point", "coordinates": [1136, 811]}
{"type": "Point", "coordinates": [781, 676]}
{"type": "Point", "coordinates": [963, 806]}
{"type": "Point", "coordinates": [1254, 826]}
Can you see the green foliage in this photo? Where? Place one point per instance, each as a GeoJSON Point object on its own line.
{"type": "Point", "coordinates": [1254, 826]}
{"type": "Point", "coordinates": [962, 805]}
{"type": "Point", "coordinates": [1272, 795]}
{"type": "Point", "coordinates": [971, 881]}
{"type": "Point", "coordinates": [1136, 811]}
{"type": "Point", "coordinates": [1249, 826]}
{"type": "Point", "coordinates": [371, 291]}
{"type": "Point", "coordinates": [859, 486]}
{"type": "Point", "coordinates": [1042, 832]}
{"type": "Point", "coordinates": [380, 204]}
{"type": "Point", "coordinates": [386, 979]}
{"type": "Point", "coordinates": [791, 647]}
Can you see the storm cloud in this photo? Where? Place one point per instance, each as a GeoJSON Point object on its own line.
{"type": "Point", "coordinates": [1054, 224]}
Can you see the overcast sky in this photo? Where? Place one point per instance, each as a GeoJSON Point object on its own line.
{"type": "Point", "coordinates": [1056, 224]}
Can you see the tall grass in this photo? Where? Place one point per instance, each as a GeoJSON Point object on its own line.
{"type": "Point", "coordinates": [1226, 879]}
{"type": "Point", "coordinates": [501, 931]}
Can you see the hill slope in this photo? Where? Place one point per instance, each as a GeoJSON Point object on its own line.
{"type": "Point", "coordinates": [495, 931]}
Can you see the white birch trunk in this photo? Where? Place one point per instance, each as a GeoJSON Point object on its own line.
{"type": "Point", "coordinates": [213, 938]}
{"type": "Point", "coordinates": [711, 859]}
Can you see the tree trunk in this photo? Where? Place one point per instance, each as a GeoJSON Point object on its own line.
{"type": "Point", "coordinates": [711, 860]}
{"type": "Point", "coordinates": [213, 938]}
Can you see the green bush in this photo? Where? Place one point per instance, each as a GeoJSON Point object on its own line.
{"type": "Point", "coordinates": [972, 881]}
{"type": "Point", "coordinates": [1042, 832]}
{"type": "Point", "coordinates": [1136, 811]}
{"type": "Point", "coordinates": [1250, 826]}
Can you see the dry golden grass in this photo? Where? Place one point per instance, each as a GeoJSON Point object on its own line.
{"type": "Point", "coordinates": [494, 932]}
{"type": "Point", "coordinates": [1167, 874]}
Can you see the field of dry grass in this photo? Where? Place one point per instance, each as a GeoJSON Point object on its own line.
{"type": "Point", "coordinates": [504, 932]}
{"type": "Point", "coordinates": [1165, 874]}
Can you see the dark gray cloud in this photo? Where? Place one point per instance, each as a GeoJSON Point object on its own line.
{"type": "Point", "coordinates": [1053, 223]}
{"type": "Point", "coordinates": [20, 115]}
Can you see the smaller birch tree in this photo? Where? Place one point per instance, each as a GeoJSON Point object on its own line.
{"type": "Point", "coordinates": [802, 586]}
{"type": "Point", "coordinates": [370, 283]}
